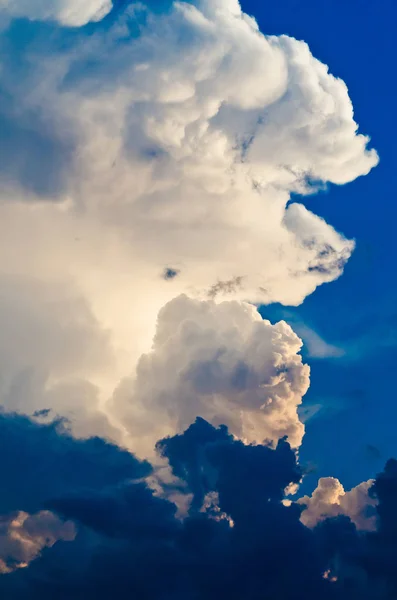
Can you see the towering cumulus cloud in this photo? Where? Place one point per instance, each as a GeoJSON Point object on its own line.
{"type": "Point", "coordinates": [150, 154]}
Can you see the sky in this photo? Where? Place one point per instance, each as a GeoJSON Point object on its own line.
{"type": "Point", "coordinates": [197, 300]}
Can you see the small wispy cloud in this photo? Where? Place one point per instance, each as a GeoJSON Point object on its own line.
{"type": "Point", "coordinates": [315, 345]}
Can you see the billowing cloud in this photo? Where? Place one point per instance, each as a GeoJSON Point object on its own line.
{"type": "Point", "coordinates": [329, 499]}
{"type": "Point", "coordinates": [23, 537]}
{"type": "Point", "coordinates": [133, 175]}
{"type": "Point", "coordinates": [71, 13]}
{"type": "Point", "coordinates": [220, 361]}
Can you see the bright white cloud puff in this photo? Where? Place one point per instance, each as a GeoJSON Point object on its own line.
{"type": "Point", "coordinates": [329, 499]}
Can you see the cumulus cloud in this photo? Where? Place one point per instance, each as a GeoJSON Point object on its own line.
{"type": "Point", "coordinates": [159, 175]}
{"type": "Point", "coordinates": [24, 536]}
{"type": "Point", "coordinates": [329, 499]}
{"type": "Point", "coordinates": [71, 13]}
{"type": "Point", "coordinates": [220, 361]}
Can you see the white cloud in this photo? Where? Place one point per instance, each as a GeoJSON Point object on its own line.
{"type": "Point", "coordinates": [72, 13]}
{"type": "Point", "coordinates": [329, 499]}
{"type": "Point", "coordinates": [316, 346]}
{"type": "Point", "coordinates": [221, 362]}
{"type": "Point", "coordinates": [24, 536]}
{"type": "Point", "coordinates": [175, 141]}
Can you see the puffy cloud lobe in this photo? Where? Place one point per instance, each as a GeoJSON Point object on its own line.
{"type": "Point", "coordinates": [23, 537]}
{"type": "Point", "coordinates": [220, 361]}
{"type": "Point", "coordinates": [156, 163]}
{"type": "Point", "coordinates": [329, 499]}
{"type": "Point", "coordinates": [70, 13]}
{"type": "Point", "coordinates": [311, 129]}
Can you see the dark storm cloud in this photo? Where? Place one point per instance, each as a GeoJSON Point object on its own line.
{"type": "Point", "coordinates": [128, 511]}
{"type": "Point", "coordinates": [131, 542]}
{"type": "Point", "coordinates": [245, 477]}
{"type": "Point", "coordinates": [42, 462]}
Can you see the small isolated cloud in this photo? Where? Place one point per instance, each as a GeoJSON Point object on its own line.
{"type": "Point", "coordinates": [329, 499]}
{"type": "Point", "coordinates": [315, 345]}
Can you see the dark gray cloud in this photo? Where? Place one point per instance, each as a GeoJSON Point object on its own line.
{"type": "Point", "coordinates": [132, 544]}
{"type": "Point", "coordinates": [42, 462]}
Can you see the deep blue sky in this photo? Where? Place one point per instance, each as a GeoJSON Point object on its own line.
{"type": "Point", "coordinates": [356, 429]}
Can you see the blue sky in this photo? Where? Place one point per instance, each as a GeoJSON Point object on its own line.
{"type": "Point", "coordinates": [359, 310]}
